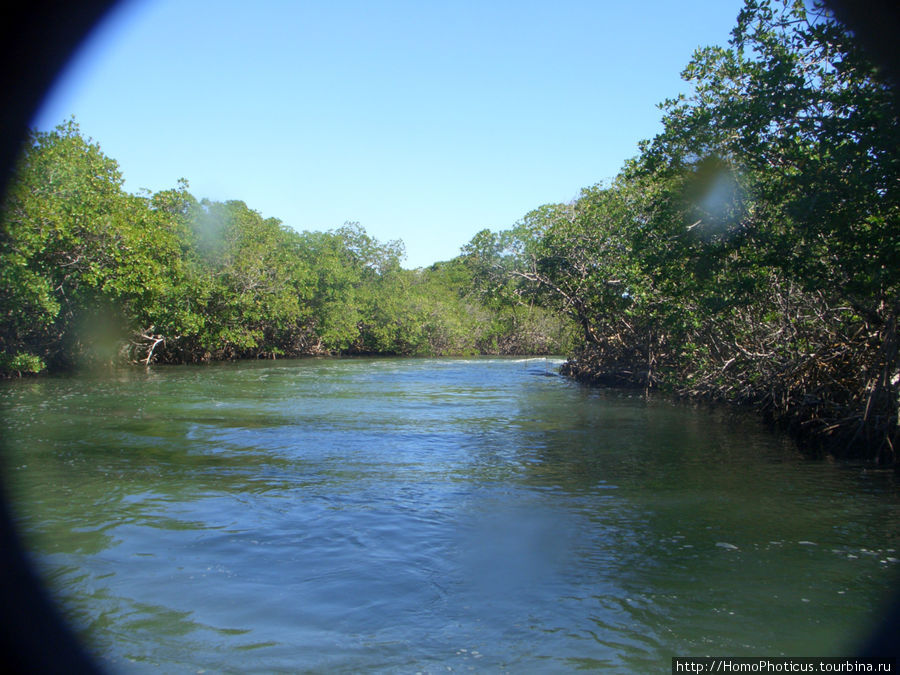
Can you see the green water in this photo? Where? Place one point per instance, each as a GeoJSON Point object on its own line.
{"type": "Point", "coordinates": [419, 515]}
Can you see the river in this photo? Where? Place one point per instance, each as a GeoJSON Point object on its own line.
{"type": "Point", "coordinates": [426, 515]}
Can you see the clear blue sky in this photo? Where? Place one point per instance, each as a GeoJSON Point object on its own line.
{"type": "Point", "coordinates": [423, 120]}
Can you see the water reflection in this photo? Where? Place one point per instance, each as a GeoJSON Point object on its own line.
{"type": "Point", "coordinates": [388, 514]}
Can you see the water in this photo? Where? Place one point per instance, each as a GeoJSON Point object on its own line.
{"type": "Point", "coordinates": [425, 515]}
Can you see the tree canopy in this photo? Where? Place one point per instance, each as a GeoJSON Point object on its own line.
{"type": "Point", "coordinates": [96, 274]}
{"type": "Point", "coordinates": [748, 253]}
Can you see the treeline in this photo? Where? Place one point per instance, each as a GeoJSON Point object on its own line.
{"type": "Point", "coordinates": [94, 274]}
{"type": "Point", "coordinates": [751, 252]}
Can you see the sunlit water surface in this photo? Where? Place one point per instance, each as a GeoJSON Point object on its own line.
{"type": "Point", "coordinates": [427, 515]}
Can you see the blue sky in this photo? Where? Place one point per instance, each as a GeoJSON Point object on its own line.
{"type": "Point", "coordinates": [423, 120]}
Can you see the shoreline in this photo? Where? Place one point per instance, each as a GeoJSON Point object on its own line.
{"type": "Point", "coordinates": [847, 435]}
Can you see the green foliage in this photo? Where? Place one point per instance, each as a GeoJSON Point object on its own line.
{"type": "Point", "coordinates": [71, 240]}
{"type": "Point", "coordinates": [807, 129]}
{"type": "Point", "coordinates": [20, 364]}
{"type": "Point", "coordinates": [94, 274]}
{"type": "Point", "coordinates": [750, 252]}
